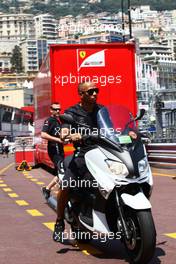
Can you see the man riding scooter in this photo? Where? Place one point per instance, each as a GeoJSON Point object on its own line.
{"type": "Point", "coordinates": [84, 112]}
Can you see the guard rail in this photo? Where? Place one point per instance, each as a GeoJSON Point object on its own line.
{"type": "Point", "coordinates": [162, 154]}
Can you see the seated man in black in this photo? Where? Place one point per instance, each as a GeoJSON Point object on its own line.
{"type": "Point", "coordinates": [85, 112]}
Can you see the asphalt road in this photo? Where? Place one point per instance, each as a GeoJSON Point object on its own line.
{"type": "Point", "coordinates": [26, 222]}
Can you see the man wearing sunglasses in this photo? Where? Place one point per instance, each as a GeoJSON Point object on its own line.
{"type": "Point", "coordinates": [85, 112]}
{"type": "Point", "coordinates": [51, 132]}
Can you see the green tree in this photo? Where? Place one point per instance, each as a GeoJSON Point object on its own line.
{"type": "Point", "coordinates": [4, 7]}
{"type": "Point", "coordinates": [16, 60]}
{"type": "Point", "coordinates": [15, 3]}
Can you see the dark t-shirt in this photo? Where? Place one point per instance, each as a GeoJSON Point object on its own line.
{"type": "Point", "coordinates": [84, 118]}
{"type": "Point", "coordinates": [52, 127]}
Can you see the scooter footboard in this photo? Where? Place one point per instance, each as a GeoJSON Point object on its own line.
{"type": "Point", "coordinates": [137, 201]}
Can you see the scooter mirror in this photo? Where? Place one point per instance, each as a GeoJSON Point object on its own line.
{"type": "Point", "coordinates": [140, 114]}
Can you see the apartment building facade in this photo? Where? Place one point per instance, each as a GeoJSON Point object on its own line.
{"type": "Point", "coordinates": [16, 26]}
{"type": "Point", "coordinates": [45, 27]}
{"type": "Point", "coordinates": [33, 53]}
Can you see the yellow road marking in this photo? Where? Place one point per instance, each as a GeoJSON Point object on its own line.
{"type": "Point", "coordinates": [34, 180]}
{"type": "Point", "coordinates": [3, 185]}
{"type": "Point", "coordinates": [21, 202]}
{"type": "Point", "coordinates": [1, 181]}
{"type": "Point", "coordinates": [7, 189]}
{"type": "Point", "coordinates": [85, 252]}
{"type": "Point", "coordinates": [13, 195]}
{"type": "Point", "coordinates": [172, 235]}
{"type": "Point", "coordinates": [88, 249]}
{"type": "Point", "coordinates": [6, 168]}
{"type": "Point", "coordinates": [162, 174]}
{"type": "Point", "coordinates": [40, 183]}
{"type": "Point", "coordinates": [34, 212]}
{"type": "Point", "coordinates": [50, 225]}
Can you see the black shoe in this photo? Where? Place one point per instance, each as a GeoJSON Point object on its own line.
{"type": "Point", "coordinates": [58, 234]}
{"type": "Point", "coordinates": [46, 192]}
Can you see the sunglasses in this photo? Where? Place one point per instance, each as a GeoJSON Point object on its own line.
{"type": "Point", "coordinates": [92, 91]}
{"type": "Point", "coordinates": [56, 109]}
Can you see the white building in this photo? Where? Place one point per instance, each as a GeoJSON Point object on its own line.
{"type": "Point", "coordinates": [16, 26]}
{"type": "Point", "coordinates": [45, 26]}
{"type": "Point", "coordinates": [143, 12]}
{"type": "Point", "coordinates": [154, 52]}
{"type": "Point", "coordinates": [5, 65]}
{"type": "Point", "coordinates": [166, 18]}
{"type": "Point", "coordinates": [29, 55]}
{"type": "Point", "coordinates": [170, 41]}
{"type": "Point", "coordinates": [33, 54]}
{"type": "Point", "coordinates": [9, 97]}
{"type": "Point", "coordinates": [7, 46]}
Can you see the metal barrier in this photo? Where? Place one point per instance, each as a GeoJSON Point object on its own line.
{"type": "Point", "coordinates": [162, 154]}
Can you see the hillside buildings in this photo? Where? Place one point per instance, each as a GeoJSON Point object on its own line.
{"type": "Point", "coordinates": [153, 31]}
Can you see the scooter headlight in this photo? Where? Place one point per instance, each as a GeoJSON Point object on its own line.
{"type": "Point", "coordinates": [118, 168]}
{"type": "Point", "coordinates": [142, 165]}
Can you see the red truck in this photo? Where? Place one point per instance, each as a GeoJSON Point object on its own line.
{"type": "Point", "coordinates": [111, 66]}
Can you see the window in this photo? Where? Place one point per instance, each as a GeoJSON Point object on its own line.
{"type": "Point", "coordinates": [7, 115]}
{"type": "Point", "coordinates": [17, 117]}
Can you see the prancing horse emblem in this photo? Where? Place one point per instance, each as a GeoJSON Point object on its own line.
{"type": "Point", "coordinates": [82, 54]}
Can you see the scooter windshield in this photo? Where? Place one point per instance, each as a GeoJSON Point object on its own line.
{"type": "Point", "coordinates": [115, 122]}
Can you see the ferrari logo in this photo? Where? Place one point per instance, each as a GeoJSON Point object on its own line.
{"type": "Point", "coordinates": [82, 54]}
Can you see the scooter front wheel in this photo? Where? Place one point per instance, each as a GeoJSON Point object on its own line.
{"type": "Point", "coordinates": [142, 242]}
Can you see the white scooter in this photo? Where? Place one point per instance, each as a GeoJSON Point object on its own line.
{"type": "Point", "coordinates": [116, 204]}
